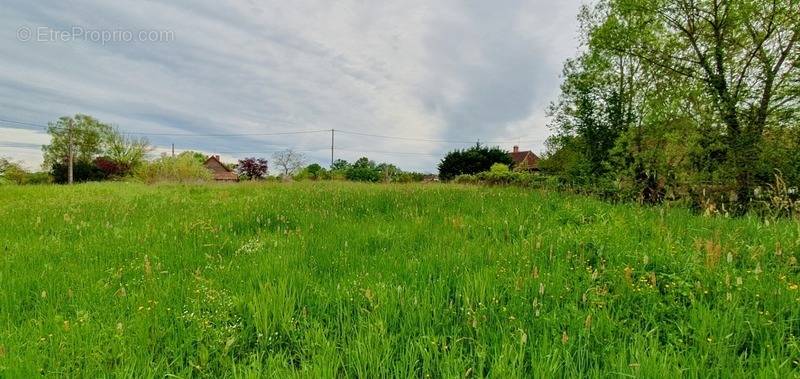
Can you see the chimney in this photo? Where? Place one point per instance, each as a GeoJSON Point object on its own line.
{"type": "Point", "coordinates": [516, 149]}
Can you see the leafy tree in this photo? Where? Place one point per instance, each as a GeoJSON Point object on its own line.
{"type": "Point", "coordinates": [89, 138]}
{"type": "Point", "coordinates": [125, 152]}
{"type": "Point", "coordinates": [363, 170]}
{"type": "Point", "coordinates": [252, 168]}
{"type": "Point", "coordinates": [288, 161]}
{"type": "Point", "coordinates": [196, 155]}
{"type": "Point", "coordinates": [180, 169]}
{"type": "Point", "coordinates": [315, 171]}
{"type": "Point", "coordinates": [471, 161]}
{"type": "Point", "coordinates": [743, 54]}
{"type": "Point", "coordinates": [670, 92]}
{"type": "Point", "coordinates": [340, 165]}
{"type": "Point", "coordinates": [12, 172]}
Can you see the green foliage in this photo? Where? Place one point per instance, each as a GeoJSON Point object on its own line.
{"type": "Point", "coordinates": [669, 95]}
{"type": "Point", "coordinates": [13, 173]}
{"type": "Point", "coordinates": [314, 172]}
{"type": "Point", "coordinates": [363, 170]}
{"type": "Point", "coordinates": [126, 152]}
{"type": "Point", "coordinates": [89, 136]}
{"type": "Point", "coordinates": [82, 171]}
{"type": "Point", "coordinates": [100, 151]}
{"type": "Point", "coordinates": [335, 279]}
{"type": "Point", "coordinates": [499, 168]}
{"type": "Point", "coordinates": [471, 161]}
{"type": "Point", "coordinates": [180, 169]}
{"type": "Point", "coordinates": [340, 165]}
{"type": "Point", "coordinates": [198, 156]}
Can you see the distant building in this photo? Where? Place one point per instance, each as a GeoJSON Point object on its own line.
{"type": "Point", "coordinates": [430, 178]}
{"type": "Point", "coordinates": [220, 172]}
{"type": "Point", "coordinates": [524, 160]}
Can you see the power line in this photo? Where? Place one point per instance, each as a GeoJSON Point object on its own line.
{"type": "Point", "coordinates": [227, 134]}
{"type": "Point", "coordinates": [295, 132]}
{"type": "Point", "coordinates": [425, 139]}
{"type": "Point", "coordinates": [390, 152]}
{"type": "Point", "coordinates": [21, 123]}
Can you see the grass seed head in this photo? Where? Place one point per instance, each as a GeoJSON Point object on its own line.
{"type": "Point", "coordinates": [148, 269]}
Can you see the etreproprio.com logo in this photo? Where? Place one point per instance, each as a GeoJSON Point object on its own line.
{"type": "Point", "coordinates": [101, 36]}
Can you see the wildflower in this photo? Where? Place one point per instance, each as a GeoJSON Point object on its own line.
{"type": "Point", "coordinates": [564, 338]}
{"type": "Point", "coordinates": [541, 288]}
{"type": "Point", "coordinates": [66, 325]}
{"type": "Point", "coordinates": [44, 294]}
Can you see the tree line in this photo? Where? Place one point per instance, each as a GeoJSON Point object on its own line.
{"type": "Point", "coordinates": [670, 96]}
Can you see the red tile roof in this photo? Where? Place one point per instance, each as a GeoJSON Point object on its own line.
{"type": "Point", "coordinates": [219, 170]}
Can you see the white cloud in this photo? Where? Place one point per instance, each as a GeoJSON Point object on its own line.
{"type": "Point", "coordinates": [438, 70]}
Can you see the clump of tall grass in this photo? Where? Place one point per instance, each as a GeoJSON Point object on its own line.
{"type": "Point", "coordinates": [778, 199]}
{"type": "Point", "coordinates": [180, 169]}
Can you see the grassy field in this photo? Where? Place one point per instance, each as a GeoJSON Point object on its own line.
{"type": "Point", "coordinates": [349, 280]}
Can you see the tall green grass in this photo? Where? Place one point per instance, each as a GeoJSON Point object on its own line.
{"type": "Point", "coordinates": [356, 280]}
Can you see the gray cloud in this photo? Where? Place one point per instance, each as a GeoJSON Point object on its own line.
{"type": "Point", "coordinates": [454, 70]}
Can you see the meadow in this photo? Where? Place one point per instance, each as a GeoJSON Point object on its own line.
{"type": "Point", "coordinates": [366, 280]}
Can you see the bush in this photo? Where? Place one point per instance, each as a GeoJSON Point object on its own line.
{"type": "Point", "coordinates": [471, 161]}
{"type": "Point", "coordinates": [500, 177]}
{"type": "Point", "coordinates": [180, 169]}
{"type": "Point", "coordinates": [40, 178]}
{"type": "Point", "coordinates": [82, 171]}
{"type": "Point", "coordinates": [499, 168]}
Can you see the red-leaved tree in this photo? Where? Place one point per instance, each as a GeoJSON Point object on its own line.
{"type": "Point", "coordinates": [252, 168]}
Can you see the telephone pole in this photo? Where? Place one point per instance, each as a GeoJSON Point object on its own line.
{"type": "Point", "coordinates": [332, 131]}
{"type": "Point", "coordinates": [70, 153]}
{"type": "Point", "coordinates": [173, 150]}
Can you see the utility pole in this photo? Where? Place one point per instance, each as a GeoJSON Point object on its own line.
{"type": "Point", "coordinates": [332, 131]}
{"type": "Point", "coordinates": [173, 150]}
{"type": "Point", "coordinates": [69, 151]}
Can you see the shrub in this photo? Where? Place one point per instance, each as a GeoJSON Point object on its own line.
{"type": "Point", "coordinates": [180, 169]}
{"type": "Point", "coordinates": [82, 171]}
{"type": "Point", "coordinates": [471, 161]}
{"type": "Point", "coordinates": [252, 168]}
{"type": "Point", "coordinates": [466, 179]}
{"type": "Point", "coordinates": [499, 168]}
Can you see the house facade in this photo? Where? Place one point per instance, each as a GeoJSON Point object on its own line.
{"type": "Point", "coordinates": [524, 160]}
{"type": "Point", "coordinates": [219, 171]}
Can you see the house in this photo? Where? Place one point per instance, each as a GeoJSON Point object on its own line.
{"type": "Point", "coordinates": [220, 172]}
{"type": "Point", "coordinates": [524, 160]}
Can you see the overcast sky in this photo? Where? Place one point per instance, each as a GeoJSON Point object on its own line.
{"type": "Point", "coordinates": [435, 70]}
